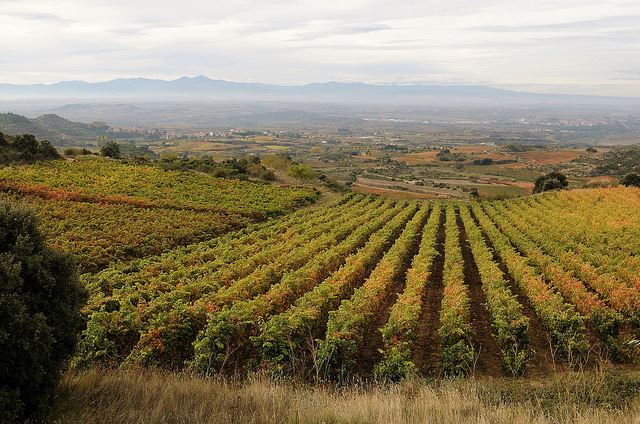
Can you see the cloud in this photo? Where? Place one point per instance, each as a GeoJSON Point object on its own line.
{"type": "Point", "coordinates": [331, 30]}
{"type": "Point", "coordinates": [37, 17]}
{"type": "Point", "coordinates": [609, 22]}
{"type": "Point", "coordinates": [573, 43]}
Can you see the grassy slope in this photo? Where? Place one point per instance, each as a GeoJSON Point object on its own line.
{"type": "Point", "coordinates": [154, 397]}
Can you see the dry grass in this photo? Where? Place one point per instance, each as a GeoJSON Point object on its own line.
{"type": "Point", "coordinates": [156, 397]}
{"type": "Point", "coordinates": [545, 157]}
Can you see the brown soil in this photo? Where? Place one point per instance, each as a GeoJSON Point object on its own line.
{"type": "Point", "coordinates": [542, 360]}
{"type": "Point", "coordinates": [427, 346]}
{"type": "Point", "coordinates": [321, 330]}
{"type": "Point", "coordinates": [488, 361]}
{"type": "Point", "coordinates": [369, 354]}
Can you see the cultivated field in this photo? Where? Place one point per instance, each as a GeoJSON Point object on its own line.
{"type": "Point", "coordinates": [373, 286]}
{"type": "Point", "coordinates": [104, 211]}
{"type": "Point", "coordinates": [102, 180]}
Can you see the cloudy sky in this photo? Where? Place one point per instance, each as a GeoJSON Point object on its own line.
{"type": "Point", "coordinates": [568, 46]}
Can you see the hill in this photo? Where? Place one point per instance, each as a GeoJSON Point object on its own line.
{"type": "Point", "coordinates": [368, 286]}
{"type": "Point", "coordinates": [182, 275]}
{"type": "Point", "coordinates": [104, 211]}
{"type": "Point", "coordinates": [14, 124]}
{"type": "Point", "coordinates": [50, 127]}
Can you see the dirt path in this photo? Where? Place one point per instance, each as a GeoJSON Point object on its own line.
{"type": "Point", "coordinates": [427, 347]}
{"type": "Point", "coordinates": [542, 361]}
{"type": "Point", "coordinates": [489, 356]}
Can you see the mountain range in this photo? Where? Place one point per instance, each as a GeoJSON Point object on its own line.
{"type": "Point", "coordinates": [204, 88]}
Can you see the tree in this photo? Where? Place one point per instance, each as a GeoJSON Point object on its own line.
{"type": "Point", "coordinates": [27, 145]}
{"type": "Point", "coordinates": [40, 300]}
{"type": "Point", "coordinates": [483, 161]}
{"type": "Point", "coordinates": [631, 180]}
{"type": "Point", "coordinates": [111, 150]}
{"type": "Point", "coordinates": [551, 181]}
{"type": "Point", "coordinates": [46, 150]}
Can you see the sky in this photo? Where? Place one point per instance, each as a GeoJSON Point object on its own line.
{"type": "Point", "coordinates": [569, 46]}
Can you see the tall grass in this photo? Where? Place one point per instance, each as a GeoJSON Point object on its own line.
{"type": "Point", "coordinates": [143, 396]}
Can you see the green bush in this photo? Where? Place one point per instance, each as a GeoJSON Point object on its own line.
{"type": "Point", "coordinates": [111, 150]}
{"type": "Point", "coordinates": [632, 180]}
{"type": "Point", "coordinates": [551, 181]}
{"type": "Point", "coordinates": [40, 300]}
{"type": "Point", "coordinates": [25, 148]}
{"type": "Point", "coordinates": [302, 172]}
{"type": "Point", "coordinates": [396, 366]}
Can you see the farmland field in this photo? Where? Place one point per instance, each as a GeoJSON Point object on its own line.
{"type": "Point", "coordinates": [108, 181]}
{"type": "Point", "coordinates": [104, 211]}
{"type": "Point", "coordinates": [99, 234]}
{"type": "Point", "coordinates": [373, 286]}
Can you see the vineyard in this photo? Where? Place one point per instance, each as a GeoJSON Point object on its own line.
{"type": "Point", "coordinates": [372, 286]}
{"type": "Point", "coordinates": [105, 211]}
{"type": "Point", "coordinates": [100, 180]}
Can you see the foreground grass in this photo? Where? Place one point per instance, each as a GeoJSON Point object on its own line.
{"type": "Point", "coordinates": [135, 396]}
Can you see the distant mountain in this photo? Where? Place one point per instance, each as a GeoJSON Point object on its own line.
{"type": "Point", "coordinates": [204, 88]}
{"type": "Point", "coordinates": [50, 127]}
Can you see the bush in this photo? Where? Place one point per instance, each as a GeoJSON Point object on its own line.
{"type": "Point", "coordinates": [26, 144]}
{"type": "Point", "coordinates": [551, 181]}
{"type": "Point", "coordinates": [111, 150]}
{"type": "Point", "coordinates": [25, 148]}
{"type": "Point", "coordinates": [301, 172]}
{"type": "Point", "coordinates": [278, 162]}
{"type": "Point", "coordinates": [40, 300]}
{"type": "Point", "coordinates": [483, 161]}
{"type": "Point", "coordinates": [77, 151]}
{"type": "Point", "coordinates": [46, 150]}
{"type": "Point", "coordinates": [631, 179]}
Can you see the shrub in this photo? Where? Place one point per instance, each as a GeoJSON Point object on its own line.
{"type": "Point", "coordinates": [301, 172]}
{"type": "Point", "coordinates": [111, 150]}
{"type": "Point", "coordinates": [27, 145]}
{"type": "Point", "coordinates": [483, 161]}
{"type": "Point", "coordinates": [551, 181]}
{"type": "Point", "coordinates": [278, 162]}
{"type": "Point", "coordinates": [46, 150]}
{"type": "Point", "coordinates": [76, 151]}
{"type": "Point", "coordinates": [631, 179]}
{"type": "Point", "coordinates": [40, 300]}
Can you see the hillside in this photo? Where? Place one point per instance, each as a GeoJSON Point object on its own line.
{"type": "Point", "coordinates": [13, 124]}
{"type": "Point", "coordinates": [104, 211]}
{"type": "Point", "coordinates": [371, 286]}
{"type": "Point", "coordinates": [50, 127]}
{"type": "Point", "coordinates": [219, 277]}
{"type": "Point", "coordinates": [182, 273]}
